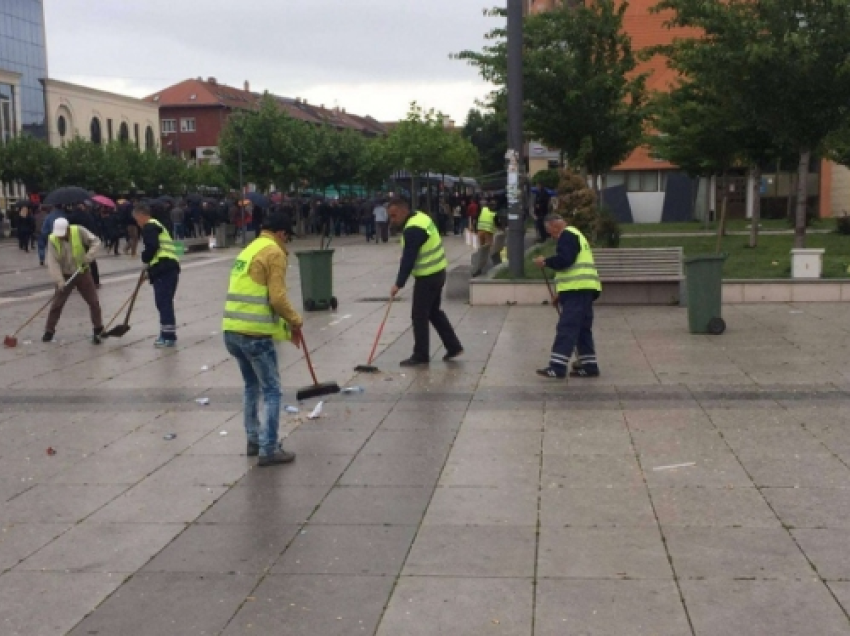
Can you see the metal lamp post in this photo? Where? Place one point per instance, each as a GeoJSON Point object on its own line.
{"type": "Point", "coordinates": [514, 156]}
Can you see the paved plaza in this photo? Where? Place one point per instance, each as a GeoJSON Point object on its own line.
{"type": "Point", "coordinates": [700, 486]}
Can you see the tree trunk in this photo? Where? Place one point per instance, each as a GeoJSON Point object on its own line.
{"type": "Point", "coordinates": [721, 225]}
{"type": "Point", "coordinates": [414, 192]}
{"type": "Point", "coordinates": [802, 199]}
{"type": "Point", "coordinates": [754, 227]}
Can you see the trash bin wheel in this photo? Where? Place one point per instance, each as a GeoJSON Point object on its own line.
{"type": "Point", "coordinates": [334, 303]}
{"type": "Point", "coordinates": [310, 304]}
{"type": "Point", "coordinates": [716, 326]}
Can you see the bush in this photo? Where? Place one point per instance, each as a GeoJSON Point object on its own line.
{"type": "Point", "coordinates": [549, 178]}
{"type": "Point", "coordinates": [842, 224]}
{"type": "Point", "coordinates": [607, 229]}
{"type": "Point", "coordinates": [577, 202]}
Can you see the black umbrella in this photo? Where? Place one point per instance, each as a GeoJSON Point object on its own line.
{"type": "Point", "coordinates": [67, 196]}
{"type": "Point", "coordinates": [260, 200]}
{"type": "Point", "coordinates": [167, 199]}
{"type": "Point", "coordinates": [194, 197]}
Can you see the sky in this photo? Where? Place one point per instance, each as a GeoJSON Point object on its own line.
{"type": "Point", "coordinates": [372, 57]}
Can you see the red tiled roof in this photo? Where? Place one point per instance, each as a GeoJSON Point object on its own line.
{"type": "Point", "coordinates": [197, 92]}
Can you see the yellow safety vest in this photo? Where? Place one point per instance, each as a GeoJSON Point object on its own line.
{"type": "Point", "coordinates": [432, 256]}
{"type": "Point", "coordinates": [78, 250]}
{"type": "Point", "coordinates": [582, 275]}
{"type": "Point", "coordinates": [166, 245]}
{"type": "Point", "coordinates": [487, 221]}
{"type": "Point", "coordinates": [248, 309]}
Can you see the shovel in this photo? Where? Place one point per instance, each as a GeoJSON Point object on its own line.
{"type": "Point", "coordinates": [368, 368]}
{"type": "Point", "coordinates": [120, 330]}
{"type": "Point", "coordinates": [12, 341]}
{"type": "Point", "coordinates": [318, 389]}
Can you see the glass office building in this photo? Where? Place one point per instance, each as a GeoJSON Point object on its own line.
{"type": "Point", "coordinates": [23, 50]}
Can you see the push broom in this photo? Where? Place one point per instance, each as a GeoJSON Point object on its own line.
{"type": "Point", "coordinates": [120, 330]}
{"type": "Point", "coordinates": [317, 389]}
{"type": "Point", "coordinates": [12, 341]}
{"type": "Point", "coordinates": [368, 368]}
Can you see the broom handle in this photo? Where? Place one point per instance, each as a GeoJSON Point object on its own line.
{"type": "Point", "coordinates": [551, 293]}
{"type": "Point", "coordinates": [380, 331]}
{"type": "Point", "coordinates": [126, 302]}
{"type": "Point", "coordinates": [135, 295]}
{"type": "Point", "coordinates": [309, 363]}
{"type": "Point", "coordinates": [44, 306]}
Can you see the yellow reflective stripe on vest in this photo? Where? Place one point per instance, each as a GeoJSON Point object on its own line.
{"type": "Point", "coordinates": [487, 221]}
{"type": "Point", "coordinates": [248, 309]}
{"type": "Point", "coordinates": [78, 250]}
{"type": "Point", "coordinates": [582, 275]}
{"type": "Point", "coordinates": [166, 245]}
{"type": "Point", "coordinates": [432, 256]}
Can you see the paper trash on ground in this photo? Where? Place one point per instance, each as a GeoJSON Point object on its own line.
{"type": "Point", "coordinates": [203, 401]}
{"type": "Point", "coordinates": [316, 413]}
{"type": "Point", "coordinates": [292, 409]}
{"type": "Point", "coordinates": [675, 466]}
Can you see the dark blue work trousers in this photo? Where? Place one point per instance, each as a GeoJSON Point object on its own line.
{"type": "Point", "coordinates": [575, 331]}
{"type": "Point", "coordinates": [164, 289]}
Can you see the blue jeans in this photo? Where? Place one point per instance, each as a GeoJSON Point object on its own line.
{"type": "Point", "coordinates": [575, 331]}
{"type": "Point", "coordinates": [257, 359]}
{"type": "Point", "coordinates": [178, 231]}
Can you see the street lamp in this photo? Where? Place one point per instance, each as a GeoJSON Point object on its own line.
{"type": "Point", "coordinates": [514, 155]}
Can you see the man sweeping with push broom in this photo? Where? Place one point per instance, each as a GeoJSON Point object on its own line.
{"type": "Point", "coordinates": [258, 313]}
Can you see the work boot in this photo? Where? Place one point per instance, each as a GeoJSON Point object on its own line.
{"type": "Point", "coordinates": [160, 343]}
{"type": "Point", "coordinates": [280, 457]}
{"type": "Point", "coordinates": [97, 336]}
{"type": "Point", "coordinates": [551, 372]}
{"type": "Point", "coordinates": [584, 372]}
{"type": "Point", "coordinates": [413, 361]}
{"type": "Point", "coordinates": [47, 337]}
{"type": "Point", "coordinates": [253, 449]}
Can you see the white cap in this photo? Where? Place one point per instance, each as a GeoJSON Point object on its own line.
{"type": "Point", "coordinates": [60, 227]}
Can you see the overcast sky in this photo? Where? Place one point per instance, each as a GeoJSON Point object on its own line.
{"type": "Point", "coordinates": [372, 57]}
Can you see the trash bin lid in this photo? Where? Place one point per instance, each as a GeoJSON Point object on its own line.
{"type": "Point", "coordinates": [701, 258]}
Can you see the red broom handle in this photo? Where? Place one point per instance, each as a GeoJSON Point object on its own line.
{"type": "Point", "coordinates": [380, 331]}
{"type": "Point", "coordinates": [307, 356]}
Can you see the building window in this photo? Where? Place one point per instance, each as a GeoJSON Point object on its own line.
{"type": "Point", "coordinates": [136, 134]}
{"type": "Point", "coordinates": [124, 133]}
{"type": "Point", "coordinates": [110, 133]}
{"type": "Point", "coordinates": [150, 142]}
{"type": "Point", "coordinates": [187, 124]}
{"type": "Point", "coordinates": [642, 181]}
{"type": "Point", "coordinates": [62, 126]}
{"type": "Point", "coordinates": [168, 126]}
{"type": "Point", "coordinates": [96, 136]}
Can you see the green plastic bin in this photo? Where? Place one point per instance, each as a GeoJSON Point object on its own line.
{"type": "Point", "coordinates": [705, 293]}
{"type": "Point", "coordinates": [317, 284]}
{"type": "Point", "coordinates": [179, 248]}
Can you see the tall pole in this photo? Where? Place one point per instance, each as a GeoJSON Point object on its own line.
{"type": "Point", "coordinates": [241, 191]}
{"type": "Point", "coordinates": [514, 157]}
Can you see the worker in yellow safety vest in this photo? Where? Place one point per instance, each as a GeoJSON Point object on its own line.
{"type": "Point", "coordinates": [256, 314]}
{"type": "Point", "coordinates": [578, 286]}
{"type": "Point", "coordinates": [424, 257]}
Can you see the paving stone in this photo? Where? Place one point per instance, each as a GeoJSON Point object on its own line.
{"type": "Point", "coordinates": [53, 503]}
{"type": "Point", "coordinates": [152, 502]}
{"type": "Point", "coordinates": [496, 443]}
{"type": "Point", "coordinates": [422, 442]}
{"type": "Point", "coordinates": [159, 603]}
{"type": "Point", "coordinates": [712, 507]}
{"type": "Point", "coordinates": [308, 470]}
{"type": "Point", "coordinates": [423, 606]}
{"type": "Point", "coordinates": [634, 553]}
{"type": "Point", "coordinates": [588, 441]}
{"type": "Point", "coordinates": [351, 550]}
{"type": "Point", "coordinates": [19, 540]}
{"type": "Point", "coordinates": [108, 467]}
{"type": "Point", "coordinates": [103, 547]}
{"type": "Point", "coordinates": [53, 602]}
{"type": "Point", "coordinates": [290, 505]}
{"type": "Point", "coordinates": [780, 608]}
{"type": "Point", "coordinates": [591, 471]}
{"type": "Point", "coordinates": [495, 472]}
{"type": "Point", "coordinates": [224, 548]}
{"type": "Point", "coordinates": [466, 551]}
{"type": "Point", "coordinates": [735, 553]}
{"type": "Point", "coordinates": [393, 470]}
{"type": "Point", "coordinates": [413, 419]}
{"type": "Point", "coordinates": [588, 507]}
{"type": "Point", "coordinates": [641, 608]}
{"type": "Point", "coordinates": [811, 507]}
{"type": "Point", "coordinates": [710, 471]}
{"type": "Point", "coordinates": [359, 505]}
{"type": "Point", "coordinates": [302, 604]}
{"type": "Point", "coordinates": [512, 421]}
{"type": "Point", "coordinates": [306, 442]}
{"type": "Point", "coordinates": [799, 471]}
{"type": "Point", "coordinates": [200, 470]}
{"type": "Point", "coordinates": [826, 549]}
{"type": "Point", "coordinates": [483, 506]}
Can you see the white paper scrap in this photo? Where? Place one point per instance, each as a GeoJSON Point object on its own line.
{"type": "Point", "coordinates": [317, 412]}
{"type": "Point", "coordinates": [675, 466]}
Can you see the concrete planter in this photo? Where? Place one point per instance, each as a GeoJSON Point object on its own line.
{"type": "Point", "coordinates": [807, 263]}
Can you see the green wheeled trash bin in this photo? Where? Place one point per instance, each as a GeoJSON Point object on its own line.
{"type": "Point", "coordinates": [317, 284]}
{"type": "Point", "coordinates": [705, 293]}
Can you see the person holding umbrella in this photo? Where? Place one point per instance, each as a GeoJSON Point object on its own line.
{"type": "Point", "coordinates": [163, 272]}
{"type": "Point", "coordinates": [71, 249]}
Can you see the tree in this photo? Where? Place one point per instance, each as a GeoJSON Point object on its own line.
{"type": "Point", "coordinates": [375, 166]}
{"type": "Point", "coordinates": [783, 65]}
{"type": "Point", "coordinates": [32, 162]}
{"type": "Point", "coordinates": [582, 94]}
{"type": "Point", "coordinates": [487, 130]}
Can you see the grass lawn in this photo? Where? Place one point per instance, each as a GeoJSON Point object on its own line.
{"type": "Point", "coordinates": [736, 225]}
{"type": "Point", "coordinates": [743, 262]}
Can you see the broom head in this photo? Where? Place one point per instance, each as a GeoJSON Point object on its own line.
{"type": "Point", "coordinates": [317, 390]}
{"type": "Point", "coordinates": [117, 332]}
{"type": "Point", "coordinates": [366, 368]}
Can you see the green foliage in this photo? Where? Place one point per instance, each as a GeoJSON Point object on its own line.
{"type": "Point", "coordinates": [549, 178]}
{"type": "Point", "coordinates": [608, 231]}
{"type": "Point", "coordinates": [581, 92]}
{"type": "Point", "coordinates": [30, 161]}
{"type": "Point", "coordinates": [487, 130]}
{"type": "Point", "coordinates": [577, 203]}
{"type": "Point", "coordinates": [842, 224]}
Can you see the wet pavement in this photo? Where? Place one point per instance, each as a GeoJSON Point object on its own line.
{"type": "Point", "coordinates": [700, 486]}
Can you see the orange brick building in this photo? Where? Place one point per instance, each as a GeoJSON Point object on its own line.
{"type": "Point", "coordinates": [643, 181]}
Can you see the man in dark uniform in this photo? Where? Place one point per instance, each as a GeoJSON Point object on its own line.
{"type": "Point", "coordinates": [577, 283]}
{"type": "Point", "coordinates": [425, 258]}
